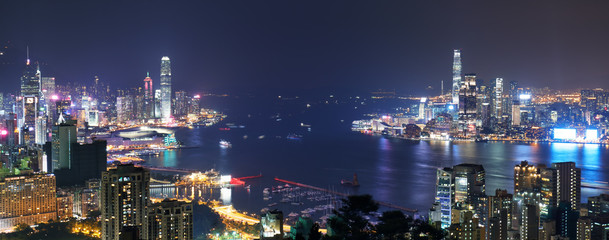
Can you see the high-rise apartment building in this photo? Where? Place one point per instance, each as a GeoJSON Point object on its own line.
{"type": "Point", "coordinates": [568, 183]}
{"type": "Point", "coordinates": [500, 214]}
{"type": "Point", "coordinates": [124, 199]}
{"type": "Point", "coordinates": [27, 199]}
{"type": "Point", "coordinates": [165, 88]}
{"type": "Point", "coordinates": [169, 219]}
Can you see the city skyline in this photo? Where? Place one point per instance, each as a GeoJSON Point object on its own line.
{"type": "Point", "coordinates": [353, 46]}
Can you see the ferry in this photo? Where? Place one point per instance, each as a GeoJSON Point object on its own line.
{"type": "Point", "coordinates": [225, 144]}
{"type": "Point", "coordinates": [293, 136]}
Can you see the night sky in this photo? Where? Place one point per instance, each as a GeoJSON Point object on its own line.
{"type": "Point", "coordinates": [287, 45]}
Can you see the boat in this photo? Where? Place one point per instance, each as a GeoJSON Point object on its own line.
{"type": "Point", "coordinates": [293, 136]}
{"type": "Point", "coordinates": [225, 144]}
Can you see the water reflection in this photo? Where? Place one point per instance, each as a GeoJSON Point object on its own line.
{"type": "Point", "coordinates": [170, 158]}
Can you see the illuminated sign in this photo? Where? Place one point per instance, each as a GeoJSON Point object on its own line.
{"type": "Point", "coordinates": [424, 99]}
{"type": "Point", "coordinates": [525, 96]}
{"type": "Point", "coordinates": [564, 133]}
{"type": "Point", "coordinates": [591, 134]}
{"type": "Point", "coordinates": [225, 178]}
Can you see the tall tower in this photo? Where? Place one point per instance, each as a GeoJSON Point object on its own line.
{"type": "Point", "coordinates": [148, 97]}
{"type": "Point", "coordinates": [456, 75]}
{"type": "Point", "coordinates": [28, 100]}
{"type": "Point", "coordinates": [497, 98]}
{"type": "Point", "coordinates": [165, 88]}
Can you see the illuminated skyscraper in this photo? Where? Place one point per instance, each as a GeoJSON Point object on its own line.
{"type": "Point", "coordinates": [165, 88]}
{"type": "Point", "coordinates": [497, 98]}
{"type": "Point", "coordinates": [467, 105]}
{"type": "Point", "coordinates": [148, 111]}
{"type": "Point", "coordinates": [124, 200]}
{"type": "Point", "coordinates": [30, 80]}
{"type": "Point", "coordinates": [456, 76]}
{"type": "Point", "coordinates": [29, 98]}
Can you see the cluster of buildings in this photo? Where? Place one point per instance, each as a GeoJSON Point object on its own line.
{"type": "Point", "coordinates": [53, 164]}
{"type": "Point", "coordinates": [545, 205]}
{"type": "Point", "coordinates": [501, 110]}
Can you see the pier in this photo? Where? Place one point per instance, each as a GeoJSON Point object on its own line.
{"type": "Point", "coordinates": [389, 205]}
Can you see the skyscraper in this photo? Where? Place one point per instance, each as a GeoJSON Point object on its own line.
{"type": "Point", "coordinates": [148, 111]}
{"type": "Point", "coordinates": [456, 75]}
{"type": "Point", "coordinates": [63, 136]}
{"type": "Point", "coordinates": [29, 99]}
{"type": "Point", "coordinates": [568, 184]}
{"type": "Point", "coordinates": [124, 199]}
{"type": "Point", "coordinates": [165, 88]}
{"type": "Point", "coordinates": [497, 98]}
{"type": "Point", "coordinates": [30, 80]}
{"type": "Point", "coordinates": [444, 195]}
{"type": "Point", "coordinates": [467, 105]}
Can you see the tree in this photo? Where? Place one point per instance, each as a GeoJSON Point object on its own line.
{"type": "Point", "coordinates": [23, 228]}
{"type": "Point", "coordinates": [424, 231]}
{"type": "Point", "coordinates": [314, 234]}
{"type": "Point", "coordinates": [393, 225]}
{"type": "Point", "coordinates": [349, 221]}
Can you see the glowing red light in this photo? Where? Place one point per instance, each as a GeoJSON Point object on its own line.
{"type": "Point", "coordinates": [54, 97]}
{"type": "Point", "coordinates": [3, 132]}
{"type": "Point", "coordinates": [197, 96]}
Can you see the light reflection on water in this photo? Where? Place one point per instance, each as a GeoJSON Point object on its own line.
{"type": "Point", "coordinates": [392, 170]}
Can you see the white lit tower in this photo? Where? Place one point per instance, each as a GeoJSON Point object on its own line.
{"type": "Point", "coordinates": [165, 88]}
{"type": "Point", "coordinates": [457, 82]}
{"type": "Point", "coordinates": [498, 98]}
{"type": "Point", "coordinates": [28, 101]}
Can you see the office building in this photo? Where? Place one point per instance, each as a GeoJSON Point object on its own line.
{"type": "Point", "coordinates": [87, 161]}
{"type": "Point", "coordinates": [469, 182]}
{"type": "Point", "coordinates": [170, 219]}
{"type": "Point", "coordinates": [124, 199]}
{"type": "Point", "coordinates": [63, 137]}
{"type": "Point", "coordinates": [456, 76]}
{"type": "Point", "coordinates": [445, 195]}
{"type": "Point", "coordinates": [148, 103]}
{"type": "Point", "coordinates": [28, 199]}
{"type": "Point", "coordinates": [165, 88]}
{"type": "Point", "coordinates": [467, 106]}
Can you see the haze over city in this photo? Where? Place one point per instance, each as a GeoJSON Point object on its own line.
{"type": "Point", "coordinates": [278, 46]}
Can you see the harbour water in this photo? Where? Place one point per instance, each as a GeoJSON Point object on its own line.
{"type": "Point", "coordinates": [396, 171]}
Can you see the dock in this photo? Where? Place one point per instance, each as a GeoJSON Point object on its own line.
{"type": "Point", "coordinates": [389, 205]}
